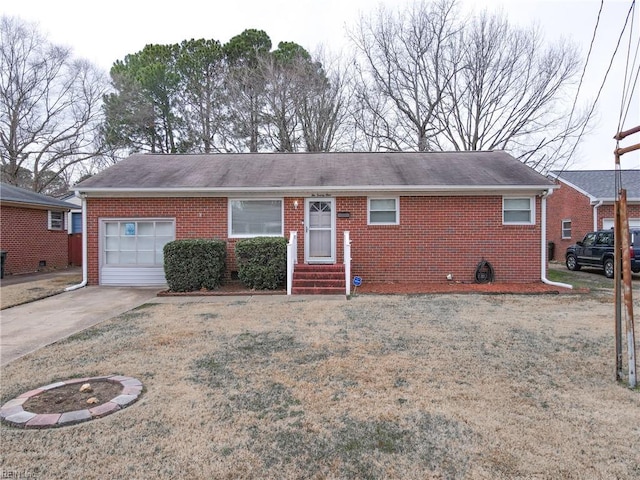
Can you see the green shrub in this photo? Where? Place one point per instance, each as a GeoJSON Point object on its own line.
{"type": "Point", "coordinates": [262, 262]}
{"type": "Point", "coordinates": [194, 264]}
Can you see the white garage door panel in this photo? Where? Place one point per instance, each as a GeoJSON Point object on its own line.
{"type": "Point", "coordinates": [131, 250]}
{"type": "Point", "coordinates": [139, 276]}
{"type": "Point", "coordinates": [607, 223]}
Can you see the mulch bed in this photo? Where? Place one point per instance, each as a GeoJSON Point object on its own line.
{"type": "Point", "coordinates": [460, 287]}
{"type": "Point", "coordinates": [236, 288]}
{"type": "Point", "coordinates": [70, 398]}
{"type": "Point", "coordinates": [228, 288]}
{"type": "Point", "coordinates": [63, 403]}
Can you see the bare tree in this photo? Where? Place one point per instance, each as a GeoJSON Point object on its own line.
{"type": "Point", "coordinates": [245, 88]}
{"type": "Point", "coordinates": [408, 60]}
{"type": "Point", "coordinates": [323, 108]}
{"type": "Point", "coordinates": [50, 108]}
{"type": "Point", "coordinates": [283, 74]}
{"type": "Point", "coordinates": [304, 107]}
{"type": "Point", "coordinates": [428, 78]}
{"type": "Point", "coordinates": [202, 70]}
{"type": "Point", "coordinates": [510, 93]}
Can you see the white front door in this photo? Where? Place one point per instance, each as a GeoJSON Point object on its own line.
{"type": "Point", "coordinates": [320, 227]}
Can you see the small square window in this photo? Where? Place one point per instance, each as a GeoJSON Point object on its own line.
{"type": "Point", "coordinates": [383, 211]}
{"type": "Point", "coordinates": [56, 220]}
{"type": "Point", "coordinates": [518, 211]}
{"type": "Point", "coordinates": [566, 229]}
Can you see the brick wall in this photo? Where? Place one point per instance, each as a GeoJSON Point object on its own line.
{"type": "Point", "coordinates": [200, 217]}
{"type": "Point", "coordinates": [566, 203]}
{"type": "Point", "coordinates": [607, 211]}
{"type": "Point", "coordinates": [436, 235]}
{"type": "Point", "coordinates": [28, 241]}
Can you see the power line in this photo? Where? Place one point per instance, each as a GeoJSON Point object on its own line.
{"type": "Point", "coordinates": [604, 80]}
{"type": "Point", "coordinates": [584, 69]}
{"type": "Point", "coordinates": [626, 72]}
{"type": "Point", "coordinates": [633, 88]}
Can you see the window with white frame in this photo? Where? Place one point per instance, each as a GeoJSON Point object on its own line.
{"type": "Point", "coordinates": [518, 210]}
{"type": "Point", "coordinates": [566, 228]}
{"type": "Point", "coordinates": [55, 220]}
{"type": "Point", "coordinates": [252, 218]}
{"type": "Point", "coordinates": [383, 211]}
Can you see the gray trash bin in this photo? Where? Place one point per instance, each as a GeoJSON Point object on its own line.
{"type": "Point", "coordinates": [3, 257]}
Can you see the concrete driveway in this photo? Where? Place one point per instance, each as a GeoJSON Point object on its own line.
{"type": "Point", "coordinates": [31, 326]}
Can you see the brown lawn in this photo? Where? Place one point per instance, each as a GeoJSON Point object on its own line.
{"type": "Point", "coordinates": [411, 387]}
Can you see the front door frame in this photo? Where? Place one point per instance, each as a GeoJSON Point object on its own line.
{"type": "Point", "coordinates": [307, 257]}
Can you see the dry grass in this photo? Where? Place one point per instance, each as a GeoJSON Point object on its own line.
{"type": "Point", "coordinates": [460, 386]}
{"type": "Point", "coordinates": [12, 295]}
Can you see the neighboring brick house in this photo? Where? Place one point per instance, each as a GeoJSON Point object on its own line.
{"type": "Point", "coordinates": [585, 202]}
{"type": "Point", "coordinates": [32, 231]}
{"type": "Point", "coordinates": [412, 217]}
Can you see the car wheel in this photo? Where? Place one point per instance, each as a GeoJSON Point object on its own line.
{"type": "Point", "coordinates": [608, 268]}
{"type": "Point", "coordinates": [572, 263]}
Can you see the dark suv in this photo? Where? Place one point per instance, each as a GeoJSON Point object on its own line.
{"type": "Point", "coordinates": [596, 251]}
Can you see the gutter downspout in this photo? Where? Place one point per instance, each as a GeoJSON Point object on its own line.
{"type": "Point", "coordinates": [543, 256]}
{"type": "Point", "coordinates": [595, 215]}
{"type": "Point", "coordinates": [85, 267]}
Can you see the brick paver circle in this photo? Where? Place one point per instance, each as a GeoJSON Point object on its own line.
{"type": "Point", "coordinates": [14, 414]}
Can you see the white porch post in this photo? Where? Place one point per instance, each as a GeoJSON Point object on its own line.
{"type": "Point", "coordinates": [292, 259]}
{"type": "Point", "coordinates": [347, 262]}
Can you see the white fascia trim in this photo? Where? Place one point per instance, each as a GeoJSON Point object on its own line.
{"type": "Point", "coordinates": [343, 190]}
{"type": "Point", "coordinates": [34, 206]}
{"type": "Point", "coordinates": [611, 201]}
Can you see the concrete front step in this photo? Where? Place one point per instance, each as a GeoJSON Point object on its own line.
{"type": "Point", "coordinates": [318, 290]}
{"type": "Point", "coordinates": [308, 275]}
{"type": "Point", "coordinates": [318, 280]}
{"type": "Point", "coordinates": [306, 267]}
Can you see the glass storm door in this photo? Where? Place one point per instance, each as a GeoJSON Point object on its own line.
{"type": "Point", "coordinates": [320, 238]}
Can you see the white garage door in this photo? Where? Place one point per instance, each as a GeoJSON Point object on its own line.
{"type": "Point", "coordinates": [607, 223]}
{"type": "Point", "coordinates": [131, 251]}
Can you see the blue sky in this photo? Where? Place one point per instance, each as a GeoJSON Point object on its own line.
{"type": "Point", "coordinates": [107, 31]}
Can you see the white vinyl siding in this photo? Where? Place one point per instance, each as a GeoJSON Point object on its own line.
{"type": "Point", "coordinates": [132, 251]}
{"type": "Point", "coordinates": [252, 218]}
{"type": "Point", "coordinates": [383, 211]}
{"type": "Point", "coordinates": [518, 211]}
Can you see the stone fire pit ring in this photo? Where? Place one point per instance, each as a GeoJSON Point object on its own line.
{"type": "Point", "coordinates": [13, 413]}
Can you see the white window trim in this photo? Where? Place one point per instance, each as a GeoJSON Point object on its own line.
{"type": "Point", "coordinates": [50, 220]}
{"type": "Point", "coordinates": [562, 229]}
{"type": "Point", "coordinates": [532, 210]}
{"type": "Point", "coordinates": [230, 233]}
{"type": "Point", "coordinates": [397, 200]}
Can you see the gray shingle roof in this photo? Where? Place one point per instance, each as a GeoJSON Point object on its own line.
{"type": "Point", "coordinates": [13, 194]}
{"type": "Point", "coordinates": [297, 171]}
{"type": "Point", "coordinates": [600, 184]}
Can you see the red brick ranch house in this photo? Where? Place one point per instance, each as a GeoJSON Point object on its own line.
{"type": "Point", "coordinates": [404, 217]}
{"type": "Point", "coordinates": [33, 233]}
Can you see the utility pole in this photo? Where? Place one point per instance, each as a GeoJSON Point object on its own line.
{"type": "Point", "coordinates": [623, 286]}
